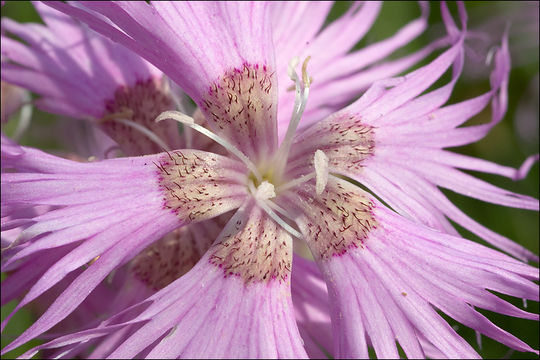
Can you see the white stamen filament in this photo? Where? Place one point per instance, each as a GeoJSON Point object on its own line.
{"type": "Point", "coordinates": [280, 221]}
{"type": "Point", "coordinates": [264, 204]}
{"type": "Point", "coordinates": [188, 121]}
{"type": "Point", "coordinates": [144, 131]}
{"type": "Point", "coordinates": [302, 93]}
{"type": "Point", "coordinates": [280, 210]}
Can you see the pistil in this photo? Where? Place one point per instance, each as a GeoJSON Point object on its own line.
{"type": "Point", "coordinates": [265, 174]}
{"type": "Point", "coordinates": [302, 91]}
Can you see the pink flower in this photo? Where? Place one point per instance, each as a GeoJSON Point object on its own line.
{"type": "Point", "coordinates": [81, 74]}
{"type": "Point", "coordinates": [387, 273]}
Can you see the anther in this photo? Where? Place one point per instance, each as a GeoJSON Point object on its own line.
{"type": "Point", "coordinates": [320, 162]}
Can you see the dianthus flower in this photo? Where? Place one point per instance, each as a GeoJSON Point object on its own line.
{"type": "Point", "coordinates": [386, 275]}
{"type": "Point", "coordinates": [133, 93]}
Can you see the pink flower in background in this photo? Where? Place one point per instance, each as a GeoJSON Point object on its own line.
{"type": "Point", "coordinates": [520, 20]}
{"type": "Point", "coordinates": [83, 75]}
{"type": "Point", "coordinates": [279, 182]}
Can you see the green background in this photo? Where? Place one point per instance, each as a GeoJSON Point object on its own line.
{"type": "Point", "coordinates": [503, 145]}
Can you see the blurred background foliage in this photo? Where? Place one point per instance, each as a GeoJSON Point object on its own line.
{"type": "Point", "coordinates": [509, 143]}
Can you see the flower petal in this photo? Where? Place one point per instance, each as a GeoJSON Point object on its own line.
{"type": "Point", "coordinates": [108, 217]}
{"type": "Point", "coordinates": [210, 310]}
{"type": "Point", "coordinates": [155, 227]}
{"type": "Point", "coordinates": [69, 56]}
{"type": "Point", "coordinates": [431, 197]}
{"type": "Point", "coordinates": [28, 272]}
{"type": "Point", "coordinates": [151, 270]}
{"type": "Point", "coordinates": [393, 153]}
{"type": "Point", "coordinates": [368, 254]}
{"type": "Point", "coordinates": [83, 74]}
{"type": "Point", "coordinates": [236, 90]}
{"type": "Point", "coordinates": [339, 77]}
{"type": "Point", "coordinates": [310, 300]}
